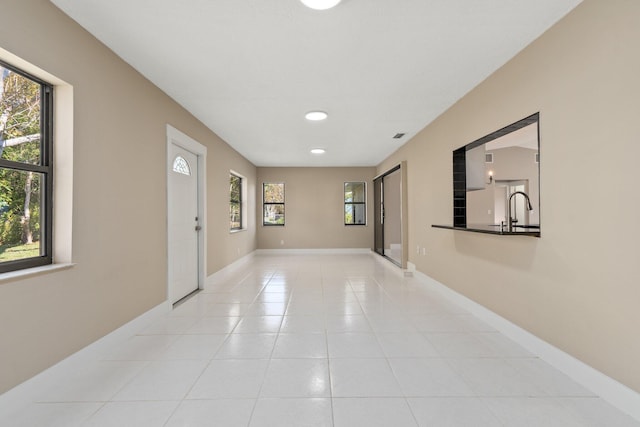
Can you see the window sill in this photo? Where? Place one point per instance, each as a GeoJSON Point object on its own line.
{"type": "Point", "coordinates": [239, 230]}
{"type": "Point", "coordinates": [35, 271]}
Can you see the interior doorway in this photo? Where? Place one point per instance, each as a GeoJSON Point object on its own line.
{"type": "Point", "coordinates": [186, 161]}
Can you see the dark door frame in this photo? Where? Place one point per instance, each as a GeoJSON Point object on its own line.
{"type": "Point", "coordinates": [378, 209]}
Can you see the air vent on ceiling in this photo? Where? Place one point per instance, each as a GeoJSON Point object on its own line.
{"type": "Point", "coordinates": [398, 135]}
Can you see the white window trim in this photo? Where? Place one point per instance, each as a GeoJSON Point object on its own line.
{"type": "Point", "coordinates": [283, 203]}
{"type": "Point", "coordinates": [62, 169]}
{"type": "Point", "coordinates": [366, 202]}
{"type": "Point", "coordinates": [243, 205]}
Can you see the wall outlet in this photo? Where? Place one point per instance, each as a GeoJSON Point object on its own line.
{"type": "Point", "coordinates": [424, 251]}
{"type": "Point", "coordinates": [282, 242]}
{"type": "Point", "coordinates": [418, 250]}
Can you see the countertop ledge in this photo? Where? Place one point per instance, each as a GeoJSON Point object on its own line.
{"type": "Point", "coordinates": [492, 229]}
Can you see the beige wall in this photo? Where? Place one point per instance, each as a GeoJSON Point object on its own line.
{"type": "Point", "coordinates": [119, 197]}
{"type": "Point", "coordinates": [578, 286]}
{"type": "Point", "coordinates": [225, 247]}
{"type": "Point", "coordinates": [314, 209]}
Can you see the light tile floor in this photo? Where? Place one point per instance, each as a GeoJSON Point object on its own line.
{"type": "Point", "coordinates": [317, 340]}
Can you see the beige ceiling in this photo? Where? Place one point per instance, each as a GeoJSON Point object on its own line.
{"type": "Point", "coordinates": [251, 69]}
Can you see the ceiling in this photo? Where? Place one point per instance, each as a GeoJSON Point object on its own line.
{"type": "Point", "coordinates": [526, 137]}
{"type": "Point", "coordinates": [251, 69]}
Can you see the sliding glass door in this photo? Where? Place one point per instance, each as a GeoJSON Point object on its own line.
{"type": "Point", "coordinates": [378, 215]}
{"type": "Point", "coordinates": [388, 215]}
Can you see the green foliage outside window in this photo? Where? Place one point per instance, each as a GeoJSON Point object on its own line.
{"type": "Point", "coordinates": [20, 142]}
{"type": "Point", "coordinates": [354, 203]}
{"type": "Point", "coordinates": [273, 204]}
{"type": "Point", "coordinates": [235, 202]}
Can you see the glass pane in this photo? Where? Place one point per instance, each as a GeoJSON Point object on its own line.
{"type": "Point", "coordinates": [378, 226]}
{"type": "Point", "coordinates": [273, 215]}
{"type": "Point", "coordinates": [20, 203]}
{"type": "Point", "coordinates": [359, 214]}
{"type": "Point", "coordinates": [180, 165]}
{"type": "Point", "coordinates": [234, 216]}
{"type": "Point", "coordinates": [273, 193]}
{"type": "Point", "coordinates": [235, 188]}
{"type": "Point", "coordinates": [358, 191]}
{"type": "Point", "coordinates": [19, 118]}
{"type": "Point", "coordinates": [354, 192]}
{"type": "Point", "coordinates": [348, 214]}
{"type": "Point", "coordinates": [354, 214]}
{"type": "Point", "coordinates": [348, 192]}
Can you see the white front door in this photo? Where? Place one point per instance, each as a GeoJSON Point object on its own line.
{"type": "Point", "coordinates": [183, 221]}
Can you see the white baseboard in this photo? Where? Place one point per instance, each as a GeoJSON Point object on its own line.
{"type": "Point", "coordinates": [21, 395]}
{"type": "Point", "coordinates": [617, 394]}
{"type": "Point", "coordinates": [329, 251]}
{"type": "Point", "coordinates": [229, 269]}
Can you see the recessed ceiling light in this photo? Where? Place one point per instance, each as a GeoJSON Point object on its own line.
{"type": "Point", "coordinates": [318, 151]}
{"type": "Point", "coordinates": [320, 4]}
{"type": "Point", "coordinates": [316, 115]}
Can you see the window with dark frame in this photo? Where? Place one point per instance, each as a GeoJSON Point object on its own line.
{"type": "Point", "coordinates": [26, 170]}
{"type": "Point", "coordinates": [272, 203]}
{"type": "Point", "coordinates": [235, 202]}
{"type": "Point", "coordinates": [355, 203]}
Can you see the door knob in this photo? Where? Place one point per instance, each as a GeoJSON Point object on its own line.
{"type": "Point", "coordinates": [198, 228]}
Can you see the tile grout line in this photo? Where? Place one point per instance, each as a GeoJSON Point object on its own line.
{"type": "Point", "coordinates": [266, 372]}
{"type": "Point", "coordinates": [326, 340]}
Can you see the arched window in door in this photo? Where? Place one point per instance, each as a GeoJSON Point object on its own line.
{"type": "Point", "coordinates": [180, 165]}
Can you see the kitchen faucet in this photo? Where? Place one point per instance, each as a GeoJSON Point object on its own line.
{"type": "Point", "coordinates": [529, 207]}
